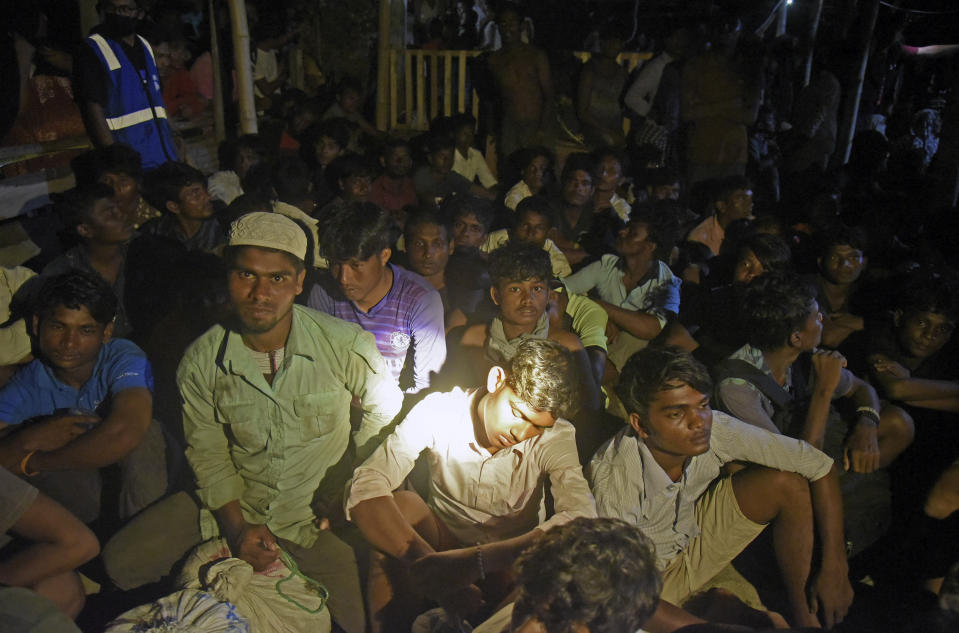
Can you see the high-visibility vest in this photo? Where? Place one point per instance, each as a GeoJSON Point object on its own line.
{"type": "Point", "coordinates": [134, 110]}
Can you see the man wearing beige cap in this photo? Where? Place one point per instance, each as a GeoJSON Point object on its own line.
{"type": "Point", "coordinates": [266, 412]}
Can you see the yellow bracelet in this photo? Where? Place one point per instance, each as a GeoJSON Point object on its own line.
{"type": "Point", "coordinates": [23, 465]}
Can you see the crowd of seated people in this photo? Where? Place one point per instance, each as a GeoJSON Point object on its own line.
{"type": "Point", "coordinates": [403, 370]}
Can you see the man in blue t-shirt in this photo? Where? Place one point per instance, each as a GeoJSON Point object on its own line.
{"type": "Point", "coordinates": [83, 404]}
{"type": "Point", "coordinates": [401, 309]}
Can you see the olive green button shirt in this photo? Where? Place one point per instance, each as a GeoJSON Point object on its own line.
{"type": "Point", "coordinates": [271, 447]}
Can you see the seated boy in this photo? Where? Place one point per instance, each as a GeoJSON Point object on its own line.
{"type": "Point", "coordinates": [842, 261]}
{"type": "Point", "coordinates": [732, 200]}
{"type": "Point", "coordinates": [92, 399]}
{"type": "Point", "coordinates": [762, 383]}
{"type": "Point", "coordinates": [394, 190]}
{"type": "Point", "coordinates": [535, 165]}
{"type": "Point", "coordinates": [400, 308]}
{"type": "Point", "coordinates": [520, 275]}
{"type": "Point", "coordinates": [532, 223]}
{"type": "Point", "coordinates": [779, 381]}
{"type": "Point", "coordinates": [707, 323]}
{"type": "Point", "coordinates": [354, 182]}
{"type": "Point", "coordinates": [489, 461]}
{"type": "Point", "coordinates": [428, 238]}
{"type": "Point", "coordinates": [436, 182]}
{"type": "Point", "coordinates": [662, 474]}
{"type": "Point", "coordinates": [180, 192]}
{"type": "Point", "coordinates": [608, 176]}
{"type": "Point", "coordinates": [912, 361]}
{"type": "Point", "coordinates": [637, 289]}
{"type": "Point", "coordinates": [468, 161]}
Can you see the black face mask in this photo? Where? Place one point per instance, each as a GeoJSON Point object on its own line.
{"type": "Point", "coordinates": [120, 26]}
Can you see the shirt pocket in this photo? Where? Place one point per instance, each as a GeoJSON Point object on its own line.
{"type": "Point", "coordinates": [246, 429]}
{"type": "Point", "coordinates": [319, 413]}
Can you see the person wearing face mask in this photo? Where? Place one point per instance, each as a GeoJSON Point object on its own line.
{"type": "Point", "coordinates": [118, 86]}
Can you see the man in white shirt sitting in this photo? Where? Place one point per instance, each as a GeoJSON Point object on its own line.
{"type": "Point", "coordinates": [468, 161]}
{"type": "Point", "coordinates": [490, 451]}
{"type": "Point", "coordinates": [662, 474]}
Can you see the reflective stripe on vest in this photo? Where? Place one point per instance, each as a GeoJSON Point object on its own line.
{"type": "Point", "coordinates": [140, 116]}
{"type": "Point", "coordinates": [112, 62]}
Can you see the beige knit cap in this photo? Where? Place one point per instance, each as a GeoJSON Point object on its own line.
{"type": "Point", "coordinates": [269, 230]}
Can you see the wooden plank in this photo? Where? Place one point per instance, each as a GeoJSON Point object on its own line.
{"type": "Point", "coordinates": [434, 87]}
{"type": "Point", "coordinates": [421, 113]}
{"type": "Point", "coordinates": [461, 91]}
{"type": "Point", "coordinates": [447, 83]}
{"type": "Point", "coordinates": [408, 79]}
{"type": "Point", "coordinates": [394, 89]}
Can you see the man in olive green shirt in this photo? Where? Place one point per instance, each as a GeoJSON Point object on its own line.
{"type": "Point", "coordinates": [266, 414]}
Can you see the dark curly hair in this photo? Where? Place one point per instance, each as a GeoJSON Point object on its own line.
{"type": "Point", "coordinates": [927, 291]}
{"type": "Point", "coordinates": [77, 289]}
{"type": "Point", "coordinates": [659, 368]}
{"type": "Point", "coordinates": [542, 374]}
{"type": "Point", "coordinates": [771, 250]}
{"type": "Point", "coordinates": [594, 573]}
{"type": "Point", "coordinates": [774, 306]}
{"type": "Point", "coordinates": [163, 184]}
{"type": "Point", "coordinates": [519, 261]}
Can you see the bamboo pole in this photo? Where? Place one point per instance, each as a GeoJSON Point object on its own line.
{"type": "Point", "coordinates": [434, 86]}
{"type": "Point", "coordinates": [382, 68]}
{"type": "Point", "coordinates": [448, 83]}
{"type": "Point", "coordinates": [219, 119]}
{"type": "Point", "coordinates": [408, 79]}
{"type": "Point", "coordinates": [422, 116]}
{"type": "Point", "coordinates": [461, 93]}
{"type": "Point", "coordinates": [853, 90]}
{"type": "Point", "coordinates": [394, 89]}
{"type": "Point", "coordinates": [244, 71]}
{"type": "Point", "coordinates": [813, 31]}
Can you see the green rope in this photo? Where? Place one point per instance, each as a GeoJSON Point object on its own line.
{"type": "Point", "coordinates": [311, 584]}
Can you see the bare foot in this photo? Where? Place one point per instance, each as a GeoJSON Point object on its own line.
{"type": "Point", "coordinates": [778, 621]}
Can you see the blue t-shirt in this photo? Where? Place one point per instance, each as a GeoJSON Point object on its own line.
{"type": "Point", "coordinates": [34, 390]}
{"type": "Point", "coordinates": [410, 315]}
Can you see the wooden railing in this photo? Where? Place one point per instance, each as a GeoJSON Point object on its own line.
{"type": "Point", "coordinates": [426, 84]}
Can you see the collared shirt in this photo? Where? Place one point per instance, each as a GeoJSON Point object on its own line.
{"type": "Point", "coordinates": [272, 446]}
{"type": "Point", "coordinates": [657, 294]}
{"type": "Point", "coordinates": [561, 267]}
{"type": "Point", "coordinates": [517, 193]}
{"type": "Point", "coordinates": [708, 232]}
{"type": "Point", "coordinates": [35, 390]}
{"type": "Point", "coordinates": [411, 314]}
{"type": "Point", "coordinates": [747, 402]}
{"type": "Point", "coordinates": [480, 496]}
{"type": "Point", "coordinates": [473, 166]}
{"type": "Point", "coordinates": [629, 483]}
{"type": "Point", "coordinates": [207, 238]}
